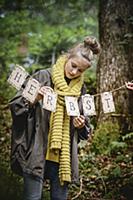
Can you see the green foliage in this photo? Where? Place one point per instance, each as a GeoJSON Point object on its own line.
{"type": "Point", "coordinates": [33, 34]}
{"type": "Point", "coordinates": [116, 146]}
{"type": "Point", "coordinates": [128, 136]}
{"type": "Point", "coordinates": [107, 162]}
{"type": "Point", "coordinates": [100, 172]}
{"type": "Point", "coordinates": [116, 171]}
{"type": "Point", "coordinates": [105, 134]}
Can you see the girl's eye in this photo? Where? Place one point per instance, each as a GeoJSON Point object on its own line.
{"type": "Point", "coordinates": [80, 70]}
{"type": "Point", "coordinates": [74, 66]}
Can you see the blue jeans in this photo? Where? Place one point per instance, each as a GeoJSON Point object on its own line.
{"type": "Point", "coordinates": [33, 186]}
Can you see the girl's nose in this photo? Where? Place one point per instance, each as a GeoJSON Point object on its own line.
{"type": "Point", "coordinates": [74, 71]}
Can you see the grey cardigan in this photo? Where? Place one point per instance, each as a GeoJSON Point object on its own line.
{"type": "Point", "coordinates": [30, 127]}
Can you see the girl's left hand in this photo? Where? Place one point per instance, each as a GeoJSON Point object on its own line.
{"type": "Point", "coordinates": [79, 122]}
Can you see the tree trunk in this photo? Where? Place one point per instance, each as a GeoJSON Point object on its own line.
{"type": "Point", "coordinates": [115, 65]}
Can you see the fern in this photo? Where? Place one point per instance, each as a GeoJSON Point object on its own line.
{"type": "Point", "coordinates": [118, 145]}
{"type": "Point", "coordinates": [127, 136]}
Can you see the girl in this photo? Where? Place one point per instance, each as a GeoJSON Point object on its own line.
{"type": "Point", "coordinates": [44, 144]}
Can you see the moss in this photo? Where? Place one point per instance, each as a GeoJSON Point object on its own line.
{"type": "Point", "coordinates": [105, 134]}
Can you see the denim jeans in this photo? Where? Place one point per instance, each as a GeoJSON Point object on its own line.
{"type": "Point", "coordinates": [33, 185]}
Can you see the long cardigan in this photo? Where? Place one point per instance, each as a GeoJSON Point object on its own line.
{"type": "Point", "coordinates": [30, 127]}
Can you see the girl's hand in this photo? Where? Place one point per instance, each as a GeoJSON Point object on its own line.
{"type": "Point", "coordinates": [45, 89]}
{"type": "Point", "coordinates": [129, 85]}
{"type": "Point", "coordinates": [42, 91]}
{"type": "Point", "coordinates": [79, 122]}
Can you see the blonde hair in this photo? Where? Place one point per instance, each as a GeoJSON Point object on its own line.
{"type": "Point", "coordinates": [86, 49]}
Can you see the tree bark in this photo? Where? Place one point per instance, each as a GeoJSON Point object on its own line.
{"type": "Point", "coordinates": [115, 66]}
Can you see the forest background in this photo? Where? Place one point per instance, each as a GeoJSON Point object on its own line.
{"type": "Point", "coordinates": [33, 34]}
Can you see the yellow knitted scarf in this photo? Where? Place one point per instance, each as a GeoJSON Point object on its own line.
{"type": "Point", "coordinates": [59, 133]}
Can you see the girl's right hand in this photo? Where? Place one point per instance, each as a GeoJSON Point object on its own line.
{"type": "Point", "coordinates": [42, 91]}
{"type": "Point", "coordinates": [79, 122]}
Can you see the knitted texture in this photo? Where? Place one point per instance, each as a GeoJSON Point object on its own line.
{"type": "Point", "coordinates": [59, 133]}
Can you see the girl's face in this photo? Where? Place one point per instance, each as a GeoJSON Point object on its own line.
{"type": "Point", "coordinates": [75, 66]}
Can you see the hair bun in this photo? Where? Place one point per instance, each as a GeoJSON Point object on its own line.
{"type": "Point", "coordinates": [92, 43]}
